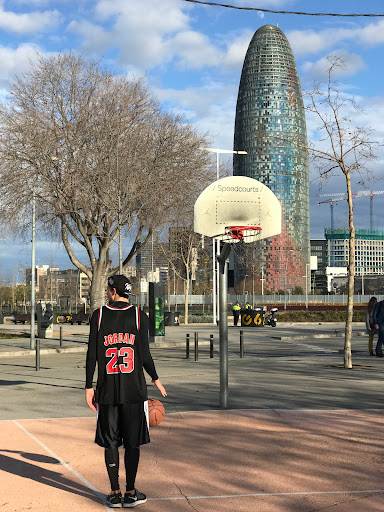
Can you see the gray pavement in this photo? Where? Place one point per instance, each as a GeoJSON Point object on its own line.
{"type": "Point", "coordinates": [287, 367]}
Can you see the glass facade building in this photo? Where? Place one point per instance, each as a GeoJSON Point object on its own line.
{"type": "Point", "coordinates": [270, 126]}
{"type": "Point", "coordinates": [369, 250]}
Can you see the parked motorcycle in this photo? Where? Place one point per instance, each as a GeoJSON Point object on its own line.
{"type": "Point", "coordinates": [270, 318]}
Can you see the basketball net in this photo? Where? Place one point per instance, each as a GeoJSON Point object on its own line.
{"type": "Point", "coordinates": [234, 234]}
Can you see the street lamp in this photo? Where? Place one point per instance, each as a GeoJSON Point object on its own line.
{"type": "Point", "coordinates": [32, 344]}
{"type": "Point", "coordinates": [285, 278]}
{"type": "Point", "coordinates": [245, 278]}
{"type": "Point", "coordinates": [306, 283]}
{"type": "Point", "coordinates": [214, 251]}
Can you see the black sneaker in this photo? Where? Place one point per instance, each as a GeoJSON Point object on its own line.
{"type": "Point", "coordinates": [131, 500]}
{"type": "Point", "coordinates": [114, 500]}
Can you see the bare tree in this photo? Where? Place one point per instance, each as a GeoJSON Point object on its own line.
{"type": "Point", "coordinates": [182, 251]}
{"type": "Point", "coordinates": [101, 157]}
{"type": "Point", "coordinates": [345, 147]}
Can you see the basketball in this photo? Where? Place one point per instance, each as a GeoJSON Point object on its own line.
{"type": "Point", "coordinates": [156, 412]}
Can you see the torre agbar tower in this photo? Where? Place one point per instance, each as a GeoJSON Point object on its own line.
{"type": "Point", "coordinates": [269, 114]}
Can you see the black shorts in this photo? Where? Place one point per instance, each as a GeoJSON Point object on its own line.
{"type": "Point", "coordinates": [124, 423]}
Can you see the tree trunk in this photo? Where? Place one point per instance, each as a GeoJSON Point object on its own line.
{"type": "Point", "coordinates": [186, 301]}
{"type": "Point", "coordinates": [351, 280]}
{"type": "Point", "coordinates": [98, 286]}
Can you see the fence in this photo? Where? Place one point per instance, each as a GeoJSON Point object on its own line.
{"type": "Point", "coordinates": [206, 300]}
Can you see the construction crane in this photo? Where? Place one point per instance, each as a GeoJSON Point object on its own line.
{"type": "Point", "coordinates": [343, 197]}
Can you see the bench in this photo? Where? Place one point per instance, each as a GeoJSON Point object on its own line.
{"type": "Point", "coordinates": [79, 318]}
{"type": "Point", "coordinates": [21, 317]}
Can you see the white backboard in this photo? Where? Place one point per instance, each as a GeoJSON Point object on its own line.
{"type": "Point", "coordinates": [237, 201]}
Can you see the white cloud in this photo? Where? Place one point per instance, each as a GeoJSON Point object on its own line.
{"type": "Point", "coordinates": [194, 50]}
{"type": "Point", "coordinates": [311, 41]}
{"type": "Point", "coordinates": [27, 23]}
{"type": "Point", "coordinates": [318, 70]}
{"type": "Point", "coordinates": [96, 39]}
{"type": "Point", "coordinates": [372, 34]}
{"type": "Point", "coordinates": [141, 30]}
{"type": "Point", "coordinates": [211, 108]}
{"type": "Point", "coordinates": [236, 50]}
{"type": "Point", "coordinates": [14, 62]}
{"type": "Point", "coordinates": [149, 34]}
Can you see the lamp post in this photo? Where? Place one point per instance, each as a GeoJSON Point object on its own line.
{"type": "Point", "coordinates": [32, 344]}
{"type": "Point", "coordinates": [306, 283]}
{"type": "Point", "coordinates": [214, 250]}
{"type": "Point", "coordinates": [285, 278]}
{"type": "Point", "coordinates": [245, 278]}
{"type": "Point", "coordinates": [262, 280]}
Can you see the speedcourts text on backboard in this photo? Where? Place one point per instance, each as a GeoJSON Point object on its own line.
{"type": "Point", "coordinates": [228, 206]}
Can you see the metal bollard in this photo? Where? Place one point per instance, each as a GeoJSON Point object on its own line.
{"type": "Point", "coordinates": [196, 346]}
{"type": "Point", "coordinates": [241, 344]}
{"type": "Point", "coordinates": [37, 355]}
{"type": "Point", "coordinates": [61, 335]}
{"type": "Point", "coordinates": [187, 347]}
{"type": "Point", "coordinates": [211, 346]}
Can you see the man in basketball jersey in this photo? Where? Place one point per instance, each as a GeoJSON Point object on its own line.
{"type": "Point", "coordinates": [118, 342]}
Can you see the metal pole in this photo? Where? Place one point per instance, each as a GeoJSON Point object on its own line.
{"type": "Point", "coordinates": [196, 346]}
{"type": "Point", "coordinates": [38, 355]}
{"type": "Point", "coordinates": [211, 346]}
{"type": "Point", "coordinates": [61, 335]}
{"type": "Point", "coordinates": [214, 280]}
{"type": "Point", "coordinates": [223, 324]}
{"type": "Point", "coordinates": [262, 280]}
{"type": "Point", "coordinates": [306, 285]}
{"type": "Point", "coordinates": [217, 283]}
{"type": "Point", "coordinates": [241, 344]}
{"type": "Point", "coordinates": [33, 274]}
{"type": "Point", "coordinates": [187, 347]}
{"type": "Point", "coordinates": [120, 241]}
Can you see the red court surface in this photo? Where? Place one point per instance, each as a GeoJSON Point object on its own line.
{"type": "Point", "coordinates": [244, 460]}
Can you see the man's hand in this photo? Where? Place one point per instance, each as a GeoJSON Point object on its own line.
{"type": "Point", "coordinates": [160, 387]}
{"type": "Point", "coordinates": [376, 326]}
{"type": "Point", "coordinates": [90, 398]}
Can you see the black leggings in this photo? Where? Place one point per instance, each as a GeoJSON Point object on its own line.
{"type": "Point", "coordinates": [131, 462]}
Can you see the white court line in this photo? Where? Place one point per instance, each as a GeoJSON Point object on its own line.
{"type": "Point", "coordinates": [67, 466]}
{"type": "Point", "coordinates": [261, 494]}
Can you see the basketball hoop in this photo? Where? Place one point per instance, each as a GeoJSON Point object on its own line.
{"type": "Point", "coordinates": [239, 233]}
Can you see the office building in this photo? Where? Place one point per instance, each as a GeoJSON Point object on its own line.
{"type": "Point", "coordinates": [369, 250]}
{"type": "Point", "coordinates": [270, 126]}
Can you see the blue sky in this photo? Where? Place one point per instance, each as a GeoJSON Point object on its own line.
{"type": "Point", "coordinates": [192, 57]}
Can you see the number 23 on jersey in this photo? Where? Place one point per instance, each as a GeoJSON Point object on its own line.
{"type": "Point", "coordinates": [127, 364]}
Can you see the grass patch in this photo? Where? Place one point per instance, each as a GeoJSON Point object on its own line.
{"type": "Point", "coordinates": [319, 316]}
{"type": "Point", "coordinates": [8, 336]}
{"type": "Point", "coordinates": [197, 319]}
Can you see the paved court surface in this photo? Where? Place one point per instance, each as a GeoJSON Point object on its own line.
{"type": "Point", "coordinates": [302, 434]}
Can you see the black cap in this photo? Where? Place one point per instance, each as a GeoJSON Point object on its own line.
{"type": "Point", "coordinates": [121, 283]}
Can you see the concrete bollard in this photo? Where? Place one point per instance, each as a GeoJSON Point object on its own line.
{"type": "Point", "coordinates": [37, 355]}
{"type": "Point", "coordinates": [187, 346]}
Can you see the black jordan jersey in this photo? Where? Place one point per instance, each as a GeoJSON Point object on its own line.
{"type": "Point", "coordinates": [119, 344]}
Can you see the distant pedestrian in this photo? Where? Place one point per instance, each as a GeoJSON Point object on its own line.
{"type": "Point", "coordinates": [248, 306]}
{"type": "Point", "coordinates": [236, 313]}
{"type": "Point", "coordinates": [378, 323]}
{"type": "Point", "coordinates": [370, 329]}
